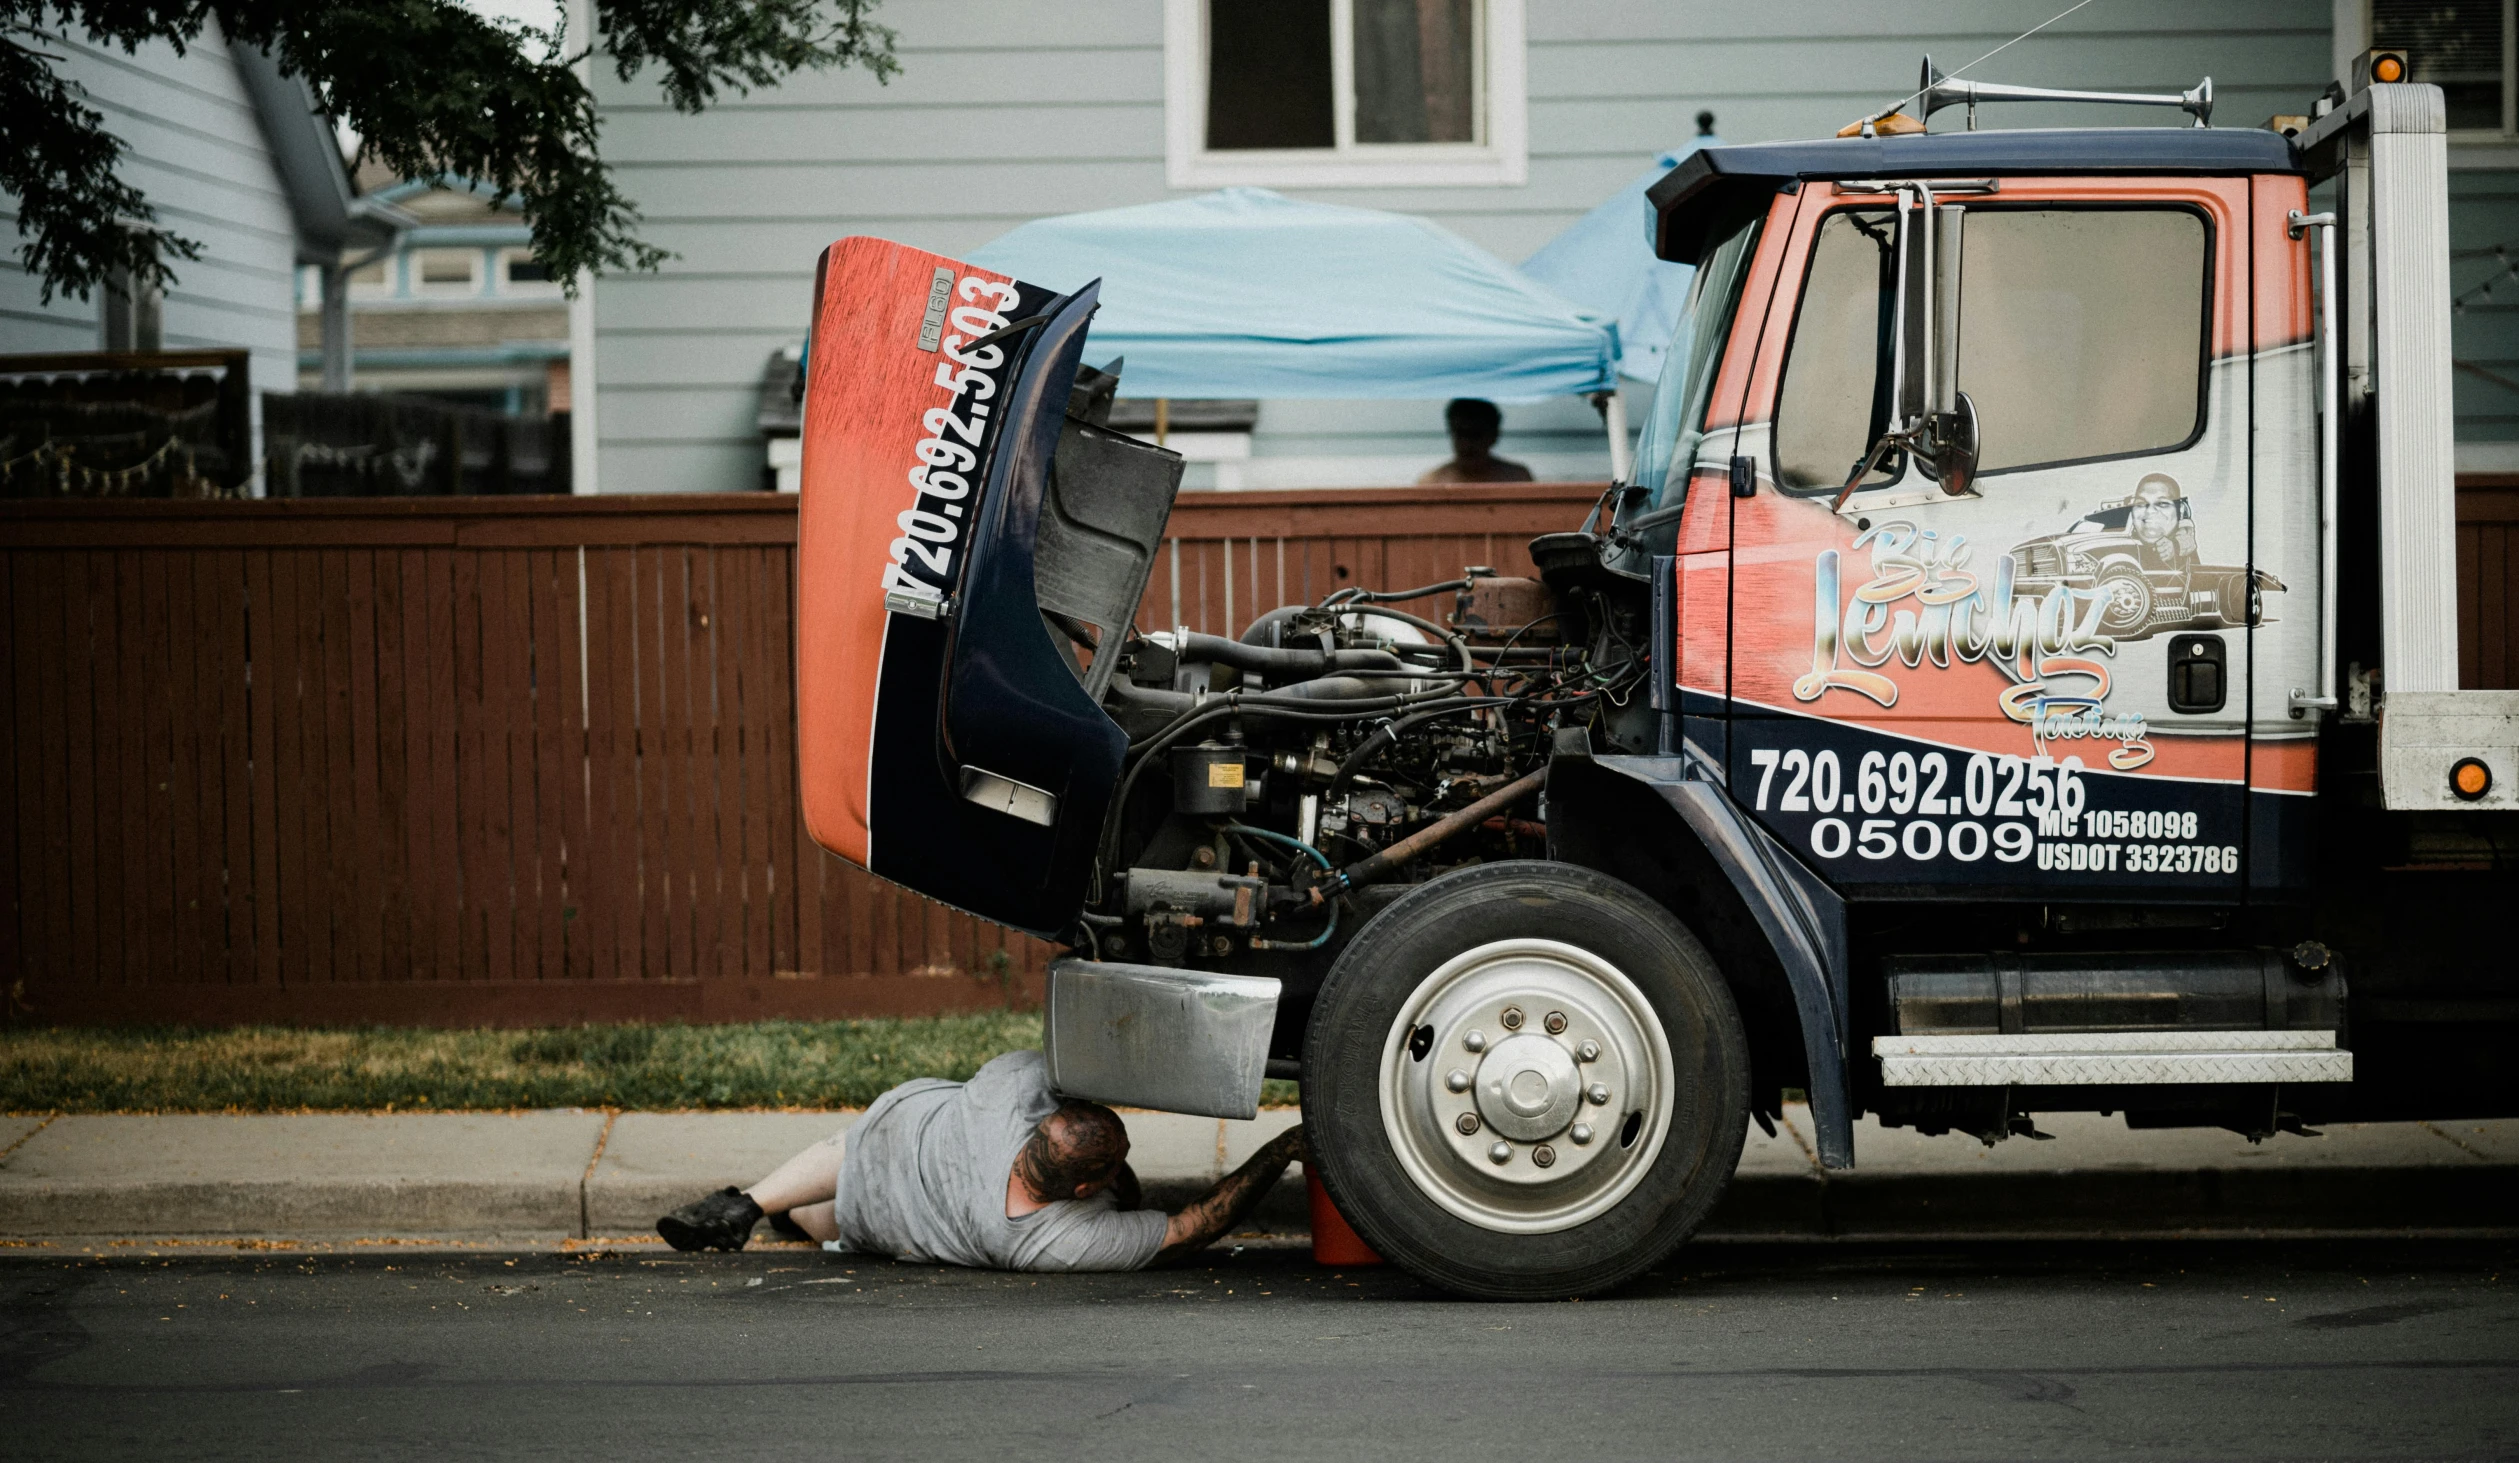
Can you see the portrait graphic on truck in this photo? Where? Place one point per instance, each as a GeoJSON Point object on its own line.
{"type": "Point", "coordinates": [2138, 555]}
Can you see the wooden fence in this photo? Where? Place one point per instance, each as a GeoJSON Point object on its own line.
{"type": "Point", "coordinates": [507, 762]}
{"type": "Point", "coordinates": [2488, 580]}
{"type": "Point", "coordinates": [528, 761]}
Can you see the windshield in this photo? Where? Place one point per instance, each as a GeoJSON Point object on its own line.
{"type": "Point", "coordinates": [1670, 437]}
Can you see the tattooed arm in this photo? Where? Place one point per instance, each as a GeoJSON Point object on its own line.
{"type": "Point", "coordinates": [1217, 1211]}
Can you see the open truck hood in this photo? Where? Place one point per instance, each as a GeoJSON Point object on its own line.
{"type": "Point", "coordinates": [961, 530]}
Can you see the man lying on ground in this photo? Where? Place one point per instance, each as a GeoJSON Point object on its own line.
{"type": "Point", "coordinates": [997, 1173]}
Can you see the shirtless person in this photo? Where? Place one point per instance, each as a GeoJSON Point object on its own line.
{"type": "Point", "coordinates": [1474, 426]}
{"type": "Point", "coordinates": [996, 1173]}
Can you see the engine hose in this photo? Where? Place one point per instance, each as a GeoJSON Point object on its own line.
{"type": "Point", "coordinates": [1258, 631]}
{"type": "Point", "coordinates": [1351, 688]}
{"type": "Point", "coordinates": [1315, 943]}
{"type": "Point", "coordinates": [1387, 734]}
{"type": "Point", "coordinates": [1297, 844]}
{"type": "Point", "coordinates": [1390, 596]}
{"type": "Point", "coordinates": [1233, 703]}
{"type": "Point", "coordinates": [1124, 699]}
{"type": "Point", "coordinates": [1327, 930]}
{"type": "Point", "coordinates": [1459, 646]}
{"type": "Point", "coordinates": [1380, 865]}
{"type": "Point", "coordinates": [1286, 663]}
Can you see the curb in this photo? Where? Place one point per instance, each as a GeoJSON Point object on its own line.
{"type": "Point", "coordinates": [2092, 1205]}
{"type": "Point", "coordinates": [583, 1174]}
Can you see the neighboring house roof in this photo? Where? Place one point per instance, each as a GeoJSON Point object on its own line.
{"type": "Point", "coordinates": [331, 218]}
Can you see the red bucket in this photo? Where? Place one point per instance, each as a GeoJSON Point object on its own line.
{"type": "Point", "coordinates": [1333, 1243]}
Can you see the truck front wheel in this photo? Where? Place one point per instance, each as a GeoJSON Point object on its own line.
{"type": "Point", "coordinates": [1525, 1080]}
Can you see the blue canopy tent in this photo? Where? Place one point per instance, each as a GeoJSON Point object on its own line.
{"type": "Point", "coordinates": [1604, 262]}
{"type": "Point", "coordinates": [1246, 293]}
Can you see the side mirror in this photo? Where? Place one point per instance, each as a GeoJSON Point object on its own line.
{"type": "Point", "coordinates": [1931, 419]}
{"type": "Point", "coordinates": [1950, 448]}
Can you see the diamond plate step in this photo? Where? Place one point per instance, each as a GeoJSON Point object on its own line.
{"type": "Point", "coordinates": [2106, 1058]}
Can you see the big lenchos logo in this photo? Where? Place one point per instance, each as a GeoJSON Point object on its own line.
{"type": "Point", "coordinates": [1923, 604]}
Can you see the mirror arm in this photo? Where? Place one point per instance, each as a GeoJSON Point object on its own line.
{"type": "Point", "coordinates": [1924, 355]}
{"type": "Point", "coordinates": [1890, 441]}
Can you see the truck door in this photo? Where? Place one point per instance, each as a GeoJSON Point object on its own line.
{"type": "Point", "coordinates": [2040, 684]}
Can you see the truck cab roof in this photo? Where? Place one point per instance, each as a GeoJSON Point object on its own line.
{"type": "Point", "coordinates": [1715, 184]}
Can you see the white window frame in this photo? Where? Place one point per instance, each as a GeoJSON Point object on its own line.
{"type": "Point", "coordinates": [530, 289]}
{"type": "Point", "coordinates": [1503, 160]}
{"type": "Point", "coordinates": [422, 288]}
{"type": "Point", "coordinates": [390, 287]}
{"type": "Point", "coordinates": [2469, 147]}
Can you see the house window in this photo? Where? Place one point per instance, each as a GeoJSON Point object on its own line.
{"type": "Point", "coordinates": [446, 272]}
{"type": "Point", "coordinates": [520, 273]}
{"type": "Point", "coordinates": [1331, 93]}
{"type": "Point", "coordinates": [2464, 47]}
{"type": "Point", "coordinates": [373, 280]}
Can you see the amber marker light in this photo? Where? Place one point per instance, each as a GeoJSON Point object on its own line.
{"type": "Point", "coordinates": [2392, 68]}
{"type": "Point", "coordinates": [2470, 778]}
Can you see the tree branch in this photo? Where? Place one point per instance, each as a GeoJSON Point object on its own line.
{"type": "Point", "coordinates": [435, 91]}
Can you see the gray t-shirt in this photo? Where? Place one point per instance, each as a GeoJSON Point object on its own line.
{"type": "Point", "coordinates": [924, 1179]}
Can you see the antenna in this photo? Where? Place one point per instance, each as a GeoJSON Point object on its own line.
{"type": "Point", "coordinates": [1938, 91]}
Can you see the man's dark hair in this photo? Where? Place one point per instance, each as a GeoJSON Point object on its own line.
{"type": "Point", "coordinates": [1469, 415]}
{"type": "Point", "coordinates": [1081, 1143]}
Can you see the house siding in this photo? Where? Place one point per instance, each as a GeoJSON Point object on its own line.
{"type": "Point", "coordinates": [2484, 334]}
{"type": "Point", "coordinates": [194, 145]}
{"type": "Point", "coordinates": [1005, 112]}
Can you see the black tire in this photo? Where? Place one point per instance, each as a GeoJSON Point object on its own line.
{"type": "Point", "coordinates": [1380, 974]}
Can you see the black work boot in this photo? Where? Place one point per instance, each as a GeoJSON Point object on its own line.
{"type": "Point", "coordinates": [719, 1221]}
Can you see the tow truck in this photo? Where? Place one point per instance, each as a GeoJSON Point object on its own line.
{"type": "Point", "coordinates": [2017, 675]}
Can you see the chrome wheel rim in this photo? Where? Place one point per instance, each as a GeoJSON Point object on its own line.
{"type": "Point", "coordinates": [2129, 602]}
{"type": "Point", "coordinates": [1527, 1086]}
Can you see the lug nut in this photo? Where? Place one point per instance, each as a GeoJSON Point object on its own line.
{"type": "Point", "coordinates": [1599, 1093]}
{"type": "Point", "coordinates": [1457, 1080]}
{"type": "Point", "coordinates": [1467, 1123]}
{"type": "Point", "coordinates": [1476, 1041]}
{"type": "Point", "coordinates": [1500, 1153]}
{"type": "Point", "coordinates": [1580, 1132]}
{"type": "Point", "coordinates": [1555, 1021]}
{"type": "Point", "coordinates": [1589, 1051]}
{"type": "Point", "coordinates": [1512, 1018]}
{"type": "Point", "coordinates": [1544, 1156]}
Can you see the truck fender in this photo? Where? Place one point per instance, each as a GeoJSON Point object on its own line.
{"type": "Point", "coordinates": [1800, 919]}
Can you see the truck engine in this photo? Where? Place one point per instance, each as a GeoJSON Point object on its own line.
{"type": "Point", "coordinates": [1334, 751]}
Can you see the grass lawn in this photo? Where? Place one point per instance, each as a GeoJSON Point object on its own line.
{"type": "Point", "coordinates": [808, 1064]}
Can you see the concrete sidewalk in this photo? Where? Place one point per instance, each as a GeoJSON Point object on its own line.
{"type": "Point", "coordinates": [576, 1174]}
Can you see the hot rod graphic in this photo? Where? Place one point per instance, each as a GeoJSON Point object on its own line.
{"type": "Point", "coordinates": [2139, 554]}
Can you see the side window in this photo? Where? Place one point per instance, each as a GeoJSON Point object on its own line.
{"type": "Point", "coordinates": [1834, 400]}
{"type": "Point", "coordinates": [2081, 332]}
{"type": "Point", "coordinates": [2081, 336]}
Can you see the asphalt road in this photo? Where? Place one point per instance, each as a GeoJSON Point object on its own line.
{"type": "Point", "coordinates": [1736, 1351]}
